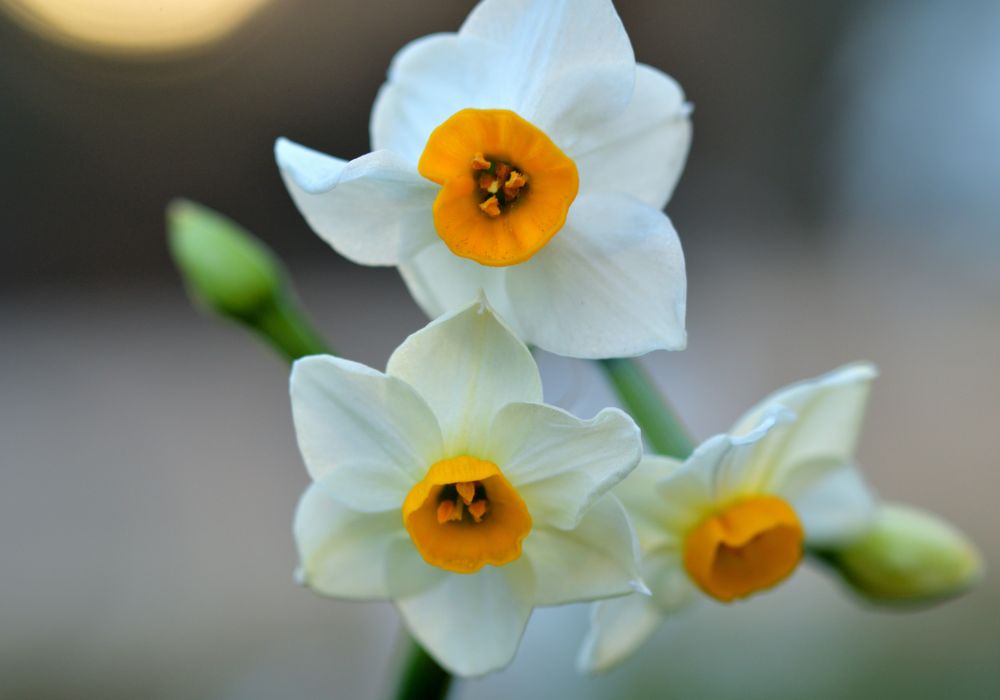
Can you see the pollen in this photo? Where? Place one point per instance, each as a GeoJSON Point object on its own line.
{"type": "Point", "coordinates": [464, 514]}
{"type": "Point", "coordinates": [749, 546]}
{"type": "Point", "coordinates": [506, 188]}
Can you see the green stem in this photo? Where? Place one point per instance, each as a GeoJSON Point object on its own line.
{"type": "Point", "coordinates": [422, 677]}
{"type": "Point", "coordinates": [285, 326]}
{"type": "Point", "coordinates": [660, 425]}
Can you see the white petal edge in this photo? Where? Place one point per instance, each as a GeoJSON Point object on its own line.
{"type": "Point", "coordinates": [599, 558]}
{"type": "Point", "coordinates": [344, 552]}
{"type": "Point", "coordinates": [374, 210]}
{"type": "Point", "coordinates": [618, 627]}
{"type": "Point", "coordinates": [470, 623]}
{"type": "Point", "coordinates": [642, 499]}
{"type": "Point", "coordinates": [610, 284]}
{"type": "Point", "coordinates": [569, 62]}
{"type": "Point", "coordinates": [642, 151]}
{"type": "Point", "coordinates": [442, 282]}
{"type": "Point", "coordinates": [561, 464]}
{"type": "Point", "coordinates": [835, 505]}
{"type": "Point", "coordinates": [370, 436]}
{"type": "Point", "coordinates": [467, 366]}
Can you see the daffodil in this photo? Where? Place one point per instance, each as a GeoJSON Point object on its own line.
{"type": "Point", "coordinates": [528, 156]}
{"type": "Point", "coordinates": [446, 486]}
{"type": "Point", "coordinates": [737, 516]}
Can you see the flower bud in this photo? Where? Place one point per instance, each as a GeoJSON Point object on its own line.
{"type": "Point", "coordinates": [909, 556]}
{"type": "Point", "coordinates": [224, 267]}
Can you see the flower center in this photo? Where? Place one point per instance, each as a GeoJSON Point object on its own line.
{"type": "Point", "coordinates": [464, 514]}
{"type": "Point", "coordinates": [505, 186]}
{"type": "Point", "coordinates": [749, 546]}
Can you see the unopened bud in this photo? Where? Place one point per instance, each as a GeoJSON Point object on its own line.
{"type": "Point", "coordinates": [909, 556]}
{"type": "Point", "coordinates": [224, 267]}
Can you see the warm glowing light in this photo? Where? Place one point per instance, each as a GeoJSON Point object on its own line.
{"type": "Point", "coordinates": [133, 26]}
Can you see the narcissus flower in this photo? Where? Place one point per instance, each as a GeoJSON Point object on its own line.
{"type": "Point", "coordinates": [736, 517]}
{"type": "Point", "coordinates": [527, 156]}
{"type": "Point", "coordinates": [446, 486]}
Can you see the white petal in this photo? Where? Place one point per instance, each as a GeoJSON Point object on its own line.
{"type": "Point", "coordinates": [570, 61]}
{"type": "Point", "coordinates": [559, 463]}
{"type": "Point", "coordinates": [599, 558]}
{"type": "Point", "coordinates": [618, 627]}
{"type": "Point", "coordinates": [471, 623]}
{"type": "Point", "coordinates": [344, 552]}
{"type": "Point", "coordinates": [640, 152]}
{"type": "Point", "coordinates": [642, 499]}
{"type": "Point", "coordinates": [442, 282]}
{"type": "Point", "coordinates": [835, 505]}
{"type": "Point", "coordinates": [610, 284]}
{"type": "Point", "coordinates": [369, 435]}
{"type": "Point", "coordinates": [467, 366]}
{"type": "Point", "coordinates": [374, 210]}
{"type": "Point", "coordinates": [829, 411]}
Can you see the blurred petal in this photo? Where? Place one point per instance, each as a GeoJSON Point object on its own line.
{"type": "Point", "coordinates": [618, 627]}
{"type": "Point", "coordinates": [829, 411]}
{"type": "Point", "coordinates": [596, 559]}
{"type": "Point", "coordinates": [833, 502]}
{"type": "Point", "coordinates": [429, 80]}
{"type": "Point", "coordinates": [642, 151]}
{"type": "Point", "coordinates": [467, 366]}
{"type": "Point", "coordinates": [370, 436]}
{"type": "Point", "coordinates": [471, 623]}
{"type": "Point", "coordinates": [559, 463]}
{"type": "Point", "coordinates": [442, 282]}
{"type": "Point", "coordinates": [343, 551]}
{"type": "Point", "coordinates": [568, 63]}
{"type": "Point", "coordinates": [374, 210]}
{"type": "Point", "coordinates": [610, 284]}
{"type": "Point", "coordinates": [645, 504]}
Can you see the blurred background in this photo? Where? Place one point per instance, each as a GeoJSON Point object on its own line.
{"type": "Point", "coordinates": [840, 202]}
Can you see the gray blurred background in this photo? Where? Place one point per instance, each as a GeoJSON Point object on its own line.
{"type": "Point", "coordinates": [840, 202]}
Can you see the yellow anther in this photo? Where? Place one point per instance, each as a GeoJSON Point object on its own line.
{"type": "Point", "coordinates": [491, 207]}
{"type": "Point", "coordinates": [477, 510]}
{"type": "Point", "coordinates": [448, 511]}
{"type": "Point", "coordinates": [479, 162]}
{"type": "Point", "coordinates": [467, 490]}
{"type": "Point", "coordinates": [514, 184]}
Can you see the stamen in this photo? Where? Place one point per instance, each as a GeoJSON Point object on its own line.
{"type": "Point", "coordinates": [491, 207]}
{"type": "Point", "coordinates": [448, 511]}
{"type": "Point", "coordinates": [467, 490]}
{"type": "Point", "coordinates": [477, 510]}
{"type": "Point", "coordinates": [514, 184]}
{"type": "Point", "coordinates": [488, 183]}
{"type": "Point", "coordinates": [479, 162]}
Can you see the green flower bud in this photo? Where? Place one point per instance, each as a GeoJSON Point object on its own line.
{"type": "Point", "coordinates": [224, 267]}
{"type": "Point", "coordinates": [909, 556]}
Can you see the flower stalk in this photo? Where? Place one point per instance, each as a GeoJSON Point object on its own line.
{"type": "Point", "coordinates": [422, 677]}
{"type": "Point", "coordinates": [660, 426]}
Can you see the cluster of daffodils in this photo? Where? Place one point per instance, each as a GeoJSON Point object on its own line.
{"type": "Point", "coordinates": [519, 172]}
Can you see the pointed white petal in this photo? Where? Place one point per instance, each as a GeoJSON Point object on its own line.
{"type": "Point", "coordinates": [641, 152]}
{"type": "Point", "coordinates": [369, 435]}
{"type": "Point", "coordinates": [610, 284]}
{"type": "Point", "coordinates": [568, 63]}
{"type": "Point", "coordinates": [429, 80]}
{"type": "Point", "coordinates": [835, 504]}
{"type": "Point", "coordinates": [374, 210]}
{"type": "Point", "coordinates": [618, 627]}
{"type": "Point", "coordinates": [598, 558]}
{"type": "Point", "coordinates": [442, 282]}
{"type": "Point", "coordinates": [559, 463]}
{"type": "Point", "coordinates": [467, 366]}
{"type": "Point", "coordinates": [645, 504]}
{"type": "Point", "coordinates": [471, 623]}
{"type": "Point", "coordinates": [343, 552]}
{"type": "Point", "coordinates": [829, 412]}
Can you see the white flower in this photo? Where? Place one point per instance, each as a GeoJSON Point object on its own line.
{"type": "Point", "coordinates": [527, 156]}
{"type": "Point", "coordinates": [734, 518]}
{"type": "Point", "coordinates": [446, 486]}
